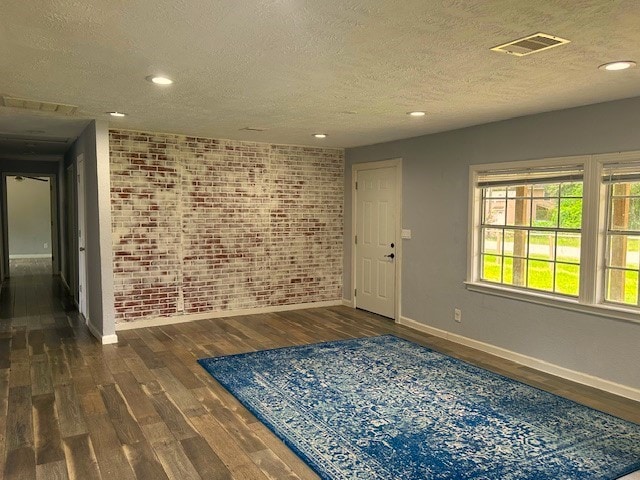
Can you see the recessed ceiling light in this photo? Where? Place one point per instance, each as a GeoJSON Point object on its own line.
{"type": "Point", "coordinates": [117, 114]}
{"type": "Point", "coordinates": [159, 80]}
{"type": "Point", "coordinates": [417, 114]}
{"type": "Point", "coordinates": [320, 135]}
{"type": "Point", "coordinates": [614, 66]}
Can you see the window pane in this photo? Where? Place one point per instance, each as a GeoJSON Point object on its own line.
{"type": "Point", "coordinates": [625, 213]}
{"type": "Point", "coordinates": [494, 192]}
{"type": "Point", "coordinates": [492, 241]}
{"type": "Point", "coordinates": [493, 212]}
{"type": "Point", "coordinates": [521, 191]}
{"type": "Point", "coordinates": [515, 242]}
{"type": "Point", "coordinates": [567, 279]}
{"type": "Point", "coordinates": [515, 271]}
{"type": "Point", "coordinates": [540, 275]}
{"type": "Point", "coordinates": [518, 211]}
{"type": "Point", "coordinates": [622, 286]}
{"type": "Point", "coordinates": [571, 189]}
{"type": "Point", "coordinates": [568, 247]}
{"type": "Point", "coordinates": [538, 191]}
{"type": "Point", "coordinates": [623, 189]}
{"type": "Point", "coordinates": [570, 213]}
{"type": "Point", "coordinates": [623, 251]}
{"type": "Point", "coordinates": [545, 190]}
{"type": "Point", "coordinates": [492, 268]}
{"type": "Point", "coordinates": [542, 245]}
{"type": "Point", "coordinates": [545, 212]}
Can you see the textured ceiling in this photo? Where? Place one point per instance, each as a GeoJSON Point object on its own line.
{"type": "Point", "coordinates": [350, 68]}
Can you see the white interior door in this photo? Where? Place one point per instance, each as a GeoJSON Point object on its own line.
{"type": "Point", "coordinates": [375, 243]}
{"type": "Point", "coordinates": [82, 258]}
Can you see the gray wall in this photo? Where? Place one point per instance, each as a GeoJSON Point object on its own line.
{"type": "Point", "coordinates": [435, 208]}
{"type": "Point", "coordinates": [29, 217]}
{"type": "Point", "coordinates": [94, 144]}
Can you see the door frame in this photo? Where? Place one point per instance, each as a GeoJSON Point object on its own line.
{"type": "Point", "coordinates": [53, 227]}
{"type": "Point", "coordinates": [355, 168]}
{"type": "Point", "coordinates": [81, 227]}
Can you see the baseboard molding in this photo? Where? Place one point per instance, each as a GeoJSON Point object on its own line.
{"type": "Point", "coordinates": [29, 255]}
{"type": "Point", "coordinates": [535, 363]}
{"type": "Point", "coordinates": [104, 339]}
{"type": "Point", "coordinates": [159, 321]}
{"type": "Point", "coordinates": [347, 303]}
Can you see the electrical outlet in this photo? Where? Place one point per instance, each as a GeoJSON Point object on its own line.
{"type": "Point", "coordinates": [457, 315]}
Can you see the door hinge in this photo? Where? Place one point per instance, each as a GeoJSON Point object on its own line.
{"type": "Point", "coordinates": [356, 185]}
{"type": "Point", "coordinates": [355, 292]}
{"type": "Point", "coordinates": [356, 239]}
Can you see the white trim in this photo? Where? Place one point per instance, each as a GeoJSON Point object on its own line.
{"type": "Point", "coordinates": [29, 255]}
{"type": "Point", "coordinates": [104, 339]}
{"type": "Point", "coordinates": [159, 321]}
{"type": "Point", "coordinates": [397, 163]}
{"type": "Point", "coordinates": [535, 363]}
{"type": "Point", "coordinates": [347, 303]}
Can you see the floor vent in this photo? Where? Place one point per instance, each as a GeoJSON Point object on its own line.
{"type": "Point", "coordinates": [531, 44]}
{"type": "Point", "coordinates": [28, 104]}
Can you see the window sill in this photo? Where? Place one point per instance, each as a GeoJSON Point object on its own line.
{"type": "Point", "coordinates": [609, 311]}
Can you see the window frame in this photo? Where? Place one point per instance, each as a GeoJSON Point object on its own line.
{"type": "Point", "coordinates": [591, 295]}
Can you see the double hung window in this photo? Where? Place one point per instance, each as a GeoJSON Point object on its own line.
{"type": "Point", "coordinates": [566, 230]}
{"type": "Point", "coordinates": [622, 251]}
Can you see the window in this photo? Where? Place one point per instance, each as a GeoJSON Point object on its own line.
{"type": "Point", "coordinates": [559, 231]}
{"type": "Point", "coordinates": [622, 257]}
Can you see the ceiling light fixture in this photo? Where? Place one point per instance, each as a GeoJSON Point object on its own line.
{"type": "Point", "coordinates": [117, 114]}
{"type": "Point", "coordinates": [615, 66]}
{"type": "Point", "coordinates": [159, 80]}
{"type": "Point", "coordinates": [416, 114]}
{"type": "Point", "coordinates": [320, 135]}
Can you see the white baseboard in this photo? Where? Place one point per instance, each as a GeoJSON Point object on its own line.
{"type": "Point", "coordinates": [541, 365]}
{"type": "Point", "coordinates": [29, 255]}
{"type": "Point", "coordinates": [104, 339]}
{"type": "Point", "coordinates": [347, 303]}
{"type": "Point", "coordinates": [159, 321]}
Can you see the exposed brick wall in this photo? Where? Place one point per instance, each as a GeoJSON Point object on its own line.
{"type": "Point", "coordinates": [222, 225]}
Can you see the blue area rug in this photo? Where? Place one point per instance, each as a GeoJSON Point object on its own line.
{"type": "Point", "coordinates": [386, 408]}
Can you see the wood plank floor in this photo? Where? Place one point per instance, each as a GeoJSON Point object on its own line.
{"type": "Point", "coordinates": [71, 408]}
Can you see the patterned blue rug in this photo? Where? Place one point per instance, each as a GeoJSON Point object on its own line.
{"type": "Point", "coordinates": [386, 408]}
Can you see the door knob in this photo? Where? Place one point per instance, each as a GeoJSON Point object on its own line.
{"type": "Point", "coordinates": [391, 256]}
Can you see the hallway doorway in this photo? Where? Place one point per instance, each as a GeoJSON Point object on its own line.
{"type": "Point", "coordinates": [30, 210]}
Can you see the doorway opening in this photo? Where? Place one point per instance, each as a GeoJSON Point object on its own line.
{"type": "Point", "coordinates": [31, 240]}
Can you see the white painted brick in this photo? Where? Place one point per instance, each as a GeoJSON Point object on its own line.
{"type": "Point", "coordinates": [225, 224]}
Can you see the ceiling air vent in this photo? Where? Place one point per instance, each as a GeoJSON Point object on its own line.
{"type": "Point", "coordinates": [253, 129]}
{"type": "Point", "coordinates": [531, 44]}
{"type": "Point", "coordinates": [27, 104]}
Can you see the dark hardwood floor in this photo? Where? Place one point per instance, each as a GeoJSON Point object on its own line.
{"type": "Point", "coordinates": [71, 408]}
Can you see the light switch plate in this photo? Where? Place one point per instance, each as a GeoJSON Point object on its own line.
{"type": "Point", "coordinates": [406, 234]}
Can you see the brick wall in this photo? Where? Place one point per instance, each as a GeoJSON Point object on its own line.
{"type": "Point", "coordinates": [205, 225]}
